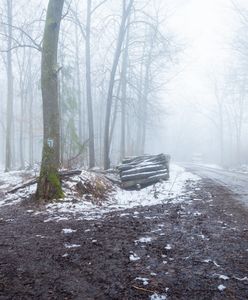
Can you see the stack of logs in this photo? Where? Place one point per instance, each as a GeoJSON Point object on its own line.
{"type": "Point", "coordinates": [142, 171]}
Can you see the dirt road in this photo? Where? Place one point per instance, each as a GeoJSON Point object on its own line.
{"type": "Point", "coordinates": [196, 249]}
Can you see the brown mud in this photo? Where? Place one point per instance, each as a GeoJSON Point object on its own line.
{"type": "Point", "coordinates": [188, 248]}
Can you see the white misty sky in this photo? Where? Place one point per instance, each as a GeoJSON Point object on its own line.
{"type": "Point", "coordinates": [207, 28]}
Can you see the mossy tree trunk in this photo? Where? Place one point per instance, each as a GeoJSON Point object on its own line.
{"type": "Point", "coordinates": [49, 185]}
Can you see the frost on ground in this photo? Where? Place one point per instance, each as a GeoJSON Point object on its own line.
{"type": "Point", "coordinates": [221, 287]}
{"type": "Point", "coordinates": [184, 249]}
{"type": "Point", "coordinates": [8, 180]}
{"type": "Point", "coordinates": [157, 297]}
{"type": "Point", "coordinates": [145, 281]}
{"type": "Point", "coordinates": [70, 246]}
{"type": "Point", "coordinates": [172, 190]}
{"type": "Point", "coordinates": [134, 257]}
{"type": "Point", "coordinates": [144, 240]}
{"type": "Point", "coordinates": [89, 205]}
{"type": "Point", "coordinates": [68, 230]}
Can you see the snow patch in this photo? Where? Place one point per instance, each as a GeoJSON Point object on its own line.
{"type": "Point", "coordinates": [158, 297]}
{"type": "Point", "coordinates": [213, 261]}
{"type": "Point", "coordinates": [197, 214]}
{"type": "Point", "coordinates": [80, 208]}
{"type": "Point", "coordinates": [241, 279]}
{"type": "Point", "coordinates": [168, 247]}
{"type": "Point", "coordinates": [40, 236]}
{"type": "Point", "coordinates": [221, 287]}
{"type": "Point", "coordinates": [70, 246]}
{"type": "Point", "coordinates": [134, 257]}
{"type": "Point", "coordinates": [144, 240]}
{"type": "Point", "coordinates": [224, 277]}
{"type": "Point", "coordinates": [144, 280]}
{"type": "Point", "coordinates": [68, 230]}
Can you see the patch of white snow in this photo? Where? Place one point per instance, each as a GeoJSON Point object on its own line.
{"type": "Point", "coordinates": [68, 230]}
{"type": "Point", "coordinates": [134, 257]}
{"type": "Point", "coordinates": [221, 287]}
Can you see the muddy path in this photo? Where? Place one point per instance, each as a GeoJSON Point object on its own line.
{"type": "Point", "coordinates": [197, 249]}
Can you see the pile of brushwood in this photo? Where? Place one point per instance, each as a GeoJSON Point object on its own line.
{"type": "Point", "coordinates": [94, 187]}
{"type": "Point", "coordinates": [141, 171]}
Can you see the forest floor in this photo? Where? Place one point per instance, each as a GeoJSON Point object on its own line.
{"type": "Point", "coordinates": [193, 249]}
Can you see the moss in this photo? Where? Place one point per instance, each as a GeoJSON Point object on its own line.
{"type": "Point", "coordinates": [53, 178]}
{"type": "Point", "coordinates": [49, 186]}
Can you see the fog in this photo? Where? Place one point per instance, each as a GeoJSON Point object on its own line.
{"type": "Point", "coordinates": [179, 86]}
{"type": "Point", "coordinates": [123, 149]}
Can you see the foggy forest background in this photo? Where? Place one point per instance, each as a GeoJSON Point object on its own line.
{"type": "Point", "coordinates": [135, 78]}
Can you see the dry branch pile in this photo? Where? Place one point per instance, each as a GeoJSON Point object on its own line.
{"type": "Point", "coordinates": [94, 187]}
{"type": "Point", "coordinates": [141, 171]}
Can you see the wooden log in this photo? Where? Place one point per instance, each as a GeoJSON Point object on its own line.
{"type": "Point", "coordinates": [144, 182]}
{"type": "Point", "coordinates": [138, 159]}
{"type": "Point", "coordinates": [124, 168]}
{"type": "Point", "coordinates": [148, 158]}
{"type": "Point", "coordinates": [148, 168]}
{"type": "Point", "coordinates": [22, 186]}
{"type": "Point", "coordinates": [143, 175]}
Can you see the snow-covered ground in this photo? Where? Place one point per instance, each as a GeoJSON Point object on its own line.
{"type": "Point", "coordinates": [9, 179]}
{"type": "Point", "coordinates": [82, 207]}
{"type": "Point", "coordinates": [235, 181]}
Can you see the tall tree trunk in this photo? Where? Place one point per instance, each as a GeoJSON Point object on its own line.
{"type": "Point", "coordinates": [30, 128]}
{"type": "Point", "coordinates": [88, 88]}
{"type": "Point", "coordinates": [114, 117]}
{"type": "Point", "coordinates": [144, 106]}
{"type": "Point", "coordinates": [21, 68]}
{"type": "Point", "coordinates": [140, 100]}
{"type": "Point", "coordinates": [147, 78]}
{"type": "Point", "coordinates": [124, 97]}
{"type": "Point", "coordinates": [9, 127]}
{"type": "Point", "coordinates": [49, 185]}
{"type": "Point", "coordinates": [61, 93]}
{"type": "Point", "coordinates": [121, 36]}
{"type": "Point", "coordinates": [221, 132]}
{"type": "Point", "coordinates": [21, 129]}
{"type": "Point", "coordinates": [79, 98]}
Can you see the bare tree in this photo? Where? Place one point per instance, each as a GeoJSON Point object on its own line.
{"type": "Point", "coordinates": [126, 10]}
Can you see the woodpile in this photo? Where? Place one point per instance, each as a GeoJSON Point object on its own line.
{"type": "Point", "coordinates": [141, 171]}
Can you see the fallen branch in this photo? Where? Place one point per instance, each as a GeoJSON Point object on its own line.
{"type": "Point", "coordinates": [62, 174]}
{"type": "Point", "coordinates": [143, 289]}
{"type": "Point", "coordinates": [22, 186]}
